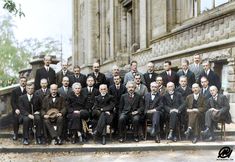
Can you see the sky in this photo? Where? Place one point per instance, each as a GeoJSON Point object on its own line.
{"type": "Point", "coordinates": [45, 18]}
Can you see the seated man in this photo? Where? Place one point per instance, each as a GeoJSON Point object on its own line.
{"type": "Point", "coordinates": [173, 104]}
{"type": "Point", "coordinates": [153, 107]}
{"type": "Point", "coordinates": [103, 112]}
{"type": "Point", "coordinates": [218, 110]}
{"type": "Point", "coordinates": [195, 105]}
{"type": "Point", "coordinates": [29, 105]}
{"type": "Point", "coordinates": [131, 108]}
{"type": "Point", "coordinates": [77, 111]}
{"type": "Point", "coordinates": [53, 112]}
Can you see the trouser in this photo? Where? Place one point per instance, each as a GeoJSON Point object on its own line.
{"type": "Point", "coordinates": [17, 120]}
{"type": "Point", "coordinates": [155, 118]}
{"type": "Point", "coordinates": [50, 126]}
{"type": "Point", "coordinates": [104, 120]}
{"type": "Point", "coordinates": [27, 123]}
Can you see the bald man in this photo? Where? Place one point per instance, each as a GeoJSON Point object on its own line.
{"type": "Point", "coordinates": [150, 75]}
{"type": "Point", "coordinates": [97, 75]}
{"type": "Point", "coordinates": [218, 110]}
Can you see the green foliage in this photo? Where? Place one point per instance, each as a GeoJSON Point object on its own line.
{"type": "Point", "coordinates": [10, 5]}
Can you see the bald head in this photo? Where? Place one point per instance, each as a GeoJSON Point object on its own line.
{"type": "Point", "coordinates": [53, 89]}
{"type": "Point", "coordinates": [96, 67]}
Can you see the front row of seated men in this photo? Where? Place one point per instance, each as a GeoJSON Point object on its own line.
{"type": "Point", "coordinates": [48, 115]}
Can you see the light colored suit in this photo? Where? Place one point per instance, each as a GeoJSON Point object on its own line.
{"type": "Point", "coordinates": [130, 77]}
{"type": "Point", "coordinates": [197, 71]}
{"type": "Point", "coordinates": [143, 90]}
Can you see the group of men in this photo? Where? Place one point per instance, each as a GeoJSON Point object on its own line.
{"type": "Point", "coordinates": [67, 103]}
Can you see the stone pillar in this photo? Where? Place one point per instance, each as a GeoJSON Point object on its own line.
{"type": "Point", "coordinates": [171, 14]}
{"type": "Point", "coordinates": [112, 27]}
{"type": "Point", "coordinates": [75, 37]}
{"type": "Point", "coordinates": [143, 24]}
{"type": "Point", "coordinates": [123, 29]}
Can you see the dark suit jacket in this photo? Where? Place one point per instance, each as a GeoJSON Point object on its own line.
{"type": "Point", "coordinates": [42, 73]}
{"type": "Point", "coordinates": [100, 79]}
{"type": "Point", "coordinates": [190, 77]}
{"type": "Point", "coordinates": [60, 75]}
{"type": "Point", "coordinates": [63, 93]}
{"type": "Point", "coordinates": [149, 80]}
{"type": "Point", "coordinates": [76, 102]}
{"type": "Point", "coordinates": [58, 104]}
{"type": "Point", "coordinates": [222, 104]}
{"type": "Point", "coordinates": [111, 82]}
{"type": "Point", "coordinates": [206, 94]}
{"type": "Point", "coordinates": [157, 102]}
{"type": "Point", "coordinates": [26, 106]}
{"type": "Point", "coordinates": [81, 80]}
{"type": "Point", "coordinates": [176, 103]}
{"type": "Point", "coordinates": [201, 102]}
{"type": "Point", "coordinates": [104, 103]}
{"type": "Point", "coordinates": [213, 79]}
{"type": "Point", "coordinates": [90, 96]}
{"type": "Point", "coordinates": [183, 92]}
{"type": "Point", "coordinates": [173, 78]}
{"type": "Point", "coordinates": [16, 93]}
{"type": "Point", "coordinates": [128, 105]}
{"type": "Point", "coordinates": [162, 91]}
{"type": "Point", "coordinates": [117, 93]}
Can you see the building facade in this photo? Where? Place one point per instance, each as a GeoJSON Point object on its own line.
{"type": "Point", "coordinates": [117, 31]}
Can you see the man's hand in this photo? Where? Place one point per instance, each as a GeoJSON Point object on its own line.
{"type": "Point", "coordinates": [37, 113]}
{"type": "Point", "coordinates": [174, 110]}
{"type": "Point", "coordinates": [76, 112]}
{"type": "Point", "coordinates": [59, 114]}
{"type": "Point", "coordinates": [134, 112]}
{"type": "Point", "coordinates": [195, 110]}
{"type": "Point", "coordinates": [17, 111]}
{"type": "Point", "coordinates": [213, 109]}
{"type": "Point", "coordinates": [31, 116]}
{"type": "Point", "coordinates": [151, 111]}
{"type": "Point", "coordinates": [46, 116]}
{"type": "Point", "coordinates": [107, 112]}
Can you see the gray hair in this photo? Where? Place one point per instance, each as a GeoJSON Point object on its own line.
{"type": "Point", "coordinates": [76, 84]}
{"type": "Point", "coordinates": [43, 80]}
{"type": "Point", "coordinates": [129, 83]}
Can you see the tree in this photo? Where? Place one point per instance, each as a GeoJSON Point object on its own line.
{"type": "Point", "coordinates": [11, 6]}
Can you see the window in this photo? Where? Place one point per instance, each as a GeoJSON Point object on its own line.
{"type": "Point", "coordinates": [206, 5]}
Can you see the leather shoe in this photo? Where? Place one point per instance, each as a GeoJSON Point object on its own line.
{"type": "Point", "coordinates": [187, 133]}
{"type": "Point", "coordinates": [25, 141]}
{"type": "Point", "coordinates": [59, 141]}
{"type": "Point", "coordinates": [194, 140]}
{"type": "Point", "coordinates": [73, 140]}
{"type": "Point", "coordinates": [121, 140]}
{"type": "Point", "coordinates": [174, 139]}
{"type": "Point", "coordinates": [103, 140]}
{"type": "Point", "coordinates": [205, 132]}
{"type": "Point", "coordinates": [210, 139]}
{"type": "Point", "coordinates": [136, 139]}
{"type": "Point", "coordinates": [15, 137]}
{"type": "Point", "coordinates": [157, 139]}
{"type": "Point", "coordinates": [39, 141]}
{"type": "Point", "coordinates": [170, 135]}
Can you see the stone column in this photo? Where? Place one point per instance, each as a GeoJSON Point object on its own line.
{"type": "Point", "coordinates": [123, 30]}
{"type": "Point", "coordinates": [112, 27]}
{"type": "Point", "coordinates": [143, 24]}
{"type": "Point", "coordinates": [75, 37]}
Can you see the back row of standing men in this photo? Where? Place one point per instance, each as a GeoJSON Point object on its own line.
{"type": "Point", "coordinates": [149, 94]}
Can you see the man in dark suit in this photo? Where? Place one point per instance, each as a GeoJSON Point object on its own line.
{"type": "Point", "coordinates": [103, 112]}
{"type": "Point", "coordinates": [29, 106]}
{"type": "Point", "coordinates": [153, 110]}
{"type": "Point", "coordinates": [77, 77]}
{"type": "Point", "coordinates": [205, 88]}
{"type": "Point", "coordinates": [184, 90]}
{"type": "Point", "coordinates": [131, 108]}
{"type": "Point", "coordinates": [186, 72]}
{"type": "Point", "coordinates": [173, 104]}
{"type": "Point", "coordinates": [212, 77]}
{"type": "Point", "coordinates": [46, 72]}
{"type": "Point", "coordinates": [16, 93]}
{"type": "Point", "coordinates": [77, 111]}
{"type": "Point", "coordinates": [43, 91]}
{"type": "Point", "coordinates": [161, 88]}
{"type": "Point", "coordinates": [195, 105]}
{"type": "Point", "coordinates": [115, 72]}
{"type": "Point", "coordinates": [57, 103]}
{"type": "Point", "coordinates": [218, 111]}
{"type": "Point", "coordinates": [97, 75]}
{"type": "Point", "coordinates": [65, 90]}
{"type": "Point", "coordinates": [169, 75]}
{"type": "Point", "coordinates": [116, 90]}
{"type": "Point", "coordinates": [62, 73]}
{"type": "Point", "coordinates": [90, 92]}
{"type": "Point", "coordinates": [150, 76]}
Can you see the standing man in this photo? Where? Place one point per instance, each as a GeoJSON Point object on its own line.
{"type": "Point", "coordinates": [212, 77]}
{"type": "Point", "coordinates": [46, 72]}
{"type": "Point", "coordinates": [141, 89]}
{"type": "Point", "coordinates": [43, 91]}
{"type": "Point", "coordinates": [196, 67]}
{"type": "Point", "coordinates": [131, 108]}
{"type": "Point", "coordinates": [62, 73]}
{"type": "Point", "coordinates": [65, 90]}
{"type": "Point", "coordinates": [169, 75]}
{"type": "Point", "coordinates": [16, 93]}
{"type": "Point", "coordinates": [115, 72]}
{"type": "Point", "coordinates": [173, 104]}
{"type": "Point", "coordinates": [97, 75]}
{"type": "Point", "coordinates": [131, 75]}
{"type": "Point", "coordinates": [186, 72]}
{"type": "Point", "coordinates": [218, 110]}
{"type": "Point", "coordinates": [195, 105]}
{"type": "Point", "coordinates": [53, 111]}
{"type": "Point", "coordinates": [150, 75]}
{"type": "Point", "coordinates": [205, 88]}
{"type": "Point", "coordinates": [30, 108]}
{"type": "Point", "coordinates": [161, 88]}
{"type": "Point", "coordinates": [77, 77]}
{"type": "Point", "coordinates": [153, 110]}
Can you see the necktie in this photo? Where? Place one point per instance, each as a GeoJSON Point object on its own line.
{"type": "Point", "coordinates": [90, 89]}
{"type": "Point", "coordinates": [118, 87]}
{"type": "Point", "coordinates": [66, 90]}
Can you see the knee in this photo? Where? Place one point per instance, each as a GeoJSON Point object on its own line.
{"type": "Point", "coordinates": [26, 119]}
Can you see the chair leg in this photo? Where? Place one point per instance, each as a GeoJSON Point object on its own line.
{"type": "Point", "coordinates": [145, 130]}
